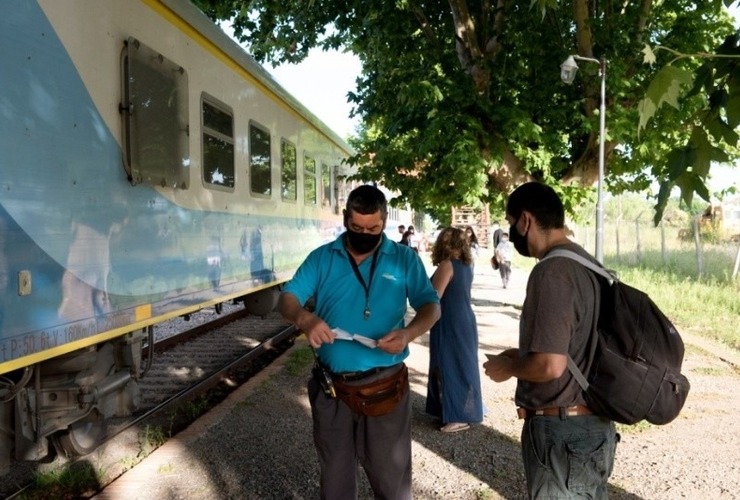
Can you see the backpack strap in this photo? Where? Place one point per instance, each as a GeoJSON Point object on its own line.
{"type": "Point", "coordinates": [569, 254]}
{"type": "Point", "coordinates": [599, 270]}
{"type": "Point", "coordinates": [577, 374]}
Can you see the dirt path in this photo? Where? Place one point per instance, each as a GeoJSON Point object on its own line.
{"type": "Point", "coordinates": [697, 456]}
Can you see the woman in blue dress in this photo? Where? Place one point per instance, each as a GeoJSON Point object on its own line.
{"type": "Point", "coordinates": [453, 389]}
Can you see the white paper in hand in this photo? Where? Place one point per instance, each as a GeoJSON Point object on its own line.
{"type": "Point", "coordinates": [344, 335]}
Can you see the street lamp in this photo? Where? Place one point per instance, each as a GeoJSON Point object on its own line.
{"type": "Point", "coordinates": [568, 71]}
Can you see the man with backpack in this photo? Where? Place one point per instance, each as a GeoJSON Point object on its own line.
{"type": "Point", "coordinates": [567, 450]}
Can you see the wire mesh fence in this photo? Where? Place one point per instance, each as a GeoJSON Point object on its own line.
{"type": "Point", "coordinates": [640, 243]}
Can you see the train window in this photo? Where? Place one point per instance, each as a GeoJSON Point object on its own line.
{"type": "Point", "coordinates": [154, 112]}
{"type": "Point", "coordinates": [218, 144]}
{"type": "Point", "coordinates": [289, 171]}
{"type": "Point", "coordinates": [309, 180]}
{"type": "Point", "coordinates": [325, 186]}
{"type": "Point", "coordinates": [260, 160]}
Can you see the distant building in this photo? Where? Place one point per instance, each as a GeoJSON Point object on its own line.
{"type": "Point", "coordinates": [731, 215]}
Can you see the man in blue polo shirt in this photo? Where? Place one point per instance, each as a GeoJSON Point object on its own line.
{"type": "Point", "coordinates": [360, 284]}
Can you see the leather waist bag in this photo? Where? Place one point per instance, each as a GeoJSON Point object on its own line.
{"type": "Point", "coordinates": [375, 398]}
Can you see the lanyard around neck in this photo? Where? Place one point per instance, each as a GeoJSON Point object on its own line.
{"type": "Point", "coordinates": [366, 286]}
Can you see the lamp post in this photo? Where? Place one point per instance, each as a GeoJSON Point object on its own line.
{"type": "Point", "coordinates": [568, 71]}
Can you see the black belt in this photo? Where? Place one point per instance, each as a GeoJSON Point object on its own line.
{"type": "Point", "coordinates": [354, 376]}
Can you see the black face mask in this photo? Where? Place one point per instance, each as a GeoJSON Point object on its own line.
{"type": "Point", "coordinates": [363, 242]}
{"type": "Point", "coordinates": [519, 240]}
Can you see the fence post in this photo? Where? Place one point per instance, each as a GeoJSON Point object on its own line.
{"type": "Point", "coordinates": [737, 262]}
{"type": "Point", "coordinates": [697, 244]}
{"type": "Point", "coordinates": [662, 243]}
{"type": "Point", "coordinates": [637, 239]}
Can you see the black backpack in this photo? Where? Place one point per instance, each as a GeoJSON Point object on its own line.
{"type": "Point", "coordinates": [636, 371]}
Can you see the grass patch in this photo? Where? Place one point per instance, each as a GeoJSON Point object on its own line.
{"type": "Point", "coordinates": [485, 494]}
{"type": "Point", "coordinates": [165, 469]}
{"type": "Point", "coordinates": [641, 426]}
{"type": "Point", "coordinates": [706, 305]}
{"type": "Point", "coordinates": [711, 371]}
{"type": "Point", "coordinates": [129, 462]}
{"type": "Point", "coordinates": [197, 407]}
{"type": "Point", "coordinates": [298, 360]}
{"type": "Point", "coordinates": [67, 482]}
{"type": "Point", "coordinates": [153, 438]}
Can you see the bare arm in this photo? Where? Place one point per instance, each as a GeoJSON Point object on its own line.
{"type": "Point", "coordinates": [397, 340]}
{"type": "Point", "coordinates": [442, 277]}
{"type": "Point", "coordinates": [534, 367]}
{"type": "Point", "coordinates": [317, 332]}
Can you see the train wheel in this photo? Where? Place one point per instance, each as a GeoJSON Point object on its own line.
{"type": "Point", "coordinates": [82, 437]}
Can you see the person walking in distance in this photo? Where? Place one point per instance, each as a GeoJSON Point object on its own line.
{"type": "Point", "coordinates": [568, 452]}
{"type": "Point", "coordinates": [406, 238]}
{"type": "Point", "coordinates": [504, 253]}
{"type": "Point", "coordinates": [497, 232]}
{"type": "Point", "coordinates": [360, 403]}
{"type": "Point", "coordinates": [474, 246]}
{"type": "Point", "coordinates": [401, 231]}
{"type": "Point", "coordinates": [453, 388]}
{"type": "Point", "coordinates": [411, 239]}
{"type": "Point", "coordinates": [472, 242]}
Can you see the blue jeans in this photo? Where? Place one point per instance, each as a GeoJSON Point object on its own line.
{"type": "Point", "coordinates": [568, 458]}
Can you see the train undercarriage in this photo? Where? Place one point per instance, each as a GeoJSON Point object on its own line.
{"type": "Point", "coordinates": [65, 400]}
{"type": "Point", "coordinates": [62, 403]}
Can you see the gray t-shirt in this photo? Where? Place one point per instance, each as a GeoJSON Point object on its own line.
{"type": "Point", "coordinates": [558, 316]}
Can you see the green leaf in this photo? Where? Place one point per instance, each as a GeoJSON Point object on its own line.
{"type": "Point", "coordinates": [646, 108]}
{"type": "Point", "coordinates": [678, 161]}
{"type": "Point", "coordinates": [703, 152]}
{"type": "Point", "coordinates": [686, 186]}
{"type": "Point", "coordinates": [648, 55]}
{"type": "Point", "coordinates": [666, 85]}
{"type": "Point", "coordinates": [721, 131]}
{"type": "Point", "coordinates": [733, 110]}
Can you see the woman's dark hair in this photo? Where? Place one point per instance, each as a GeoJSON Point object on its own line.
{"type": "Point", "coordinates": [541, 201]}
{"type": "Point", "coordinates": [366, 199]}
{"type": "Point", "coordinates": [473, 238]}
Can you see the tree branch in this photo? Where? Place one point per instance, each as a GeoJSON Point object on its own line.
{"type": "Point", "coordinates": [493, 47]}
{"type": "Point", "coordinates": [642, 19]}
{"type": "Point", "coordinates": [423, 22]}
{"type": "Point", "coordinates": [584, 37]}
{"type": "Point", "coordinates": [468, 49]}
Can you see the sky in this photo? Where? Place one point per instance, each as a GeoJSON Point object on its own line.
{"type": "Point", "coordinates": [321, 83]}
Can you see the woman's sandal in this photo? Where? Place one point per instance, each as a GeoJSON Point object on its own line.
{"type": "Point", "coordinates": [455, 427]}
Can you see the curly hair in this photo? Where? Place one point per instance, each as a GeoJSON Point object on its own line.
{"type": "Point", "coordinates": [451, 243]}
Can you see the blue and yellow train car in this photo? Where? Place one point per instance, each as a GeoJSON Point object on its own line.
{"type": "Point", "coordinates": [149, 168]}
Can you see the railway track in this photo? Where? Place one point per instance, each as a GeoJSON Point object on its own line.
{"type": "Point", "coordinates": [186, 375]}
